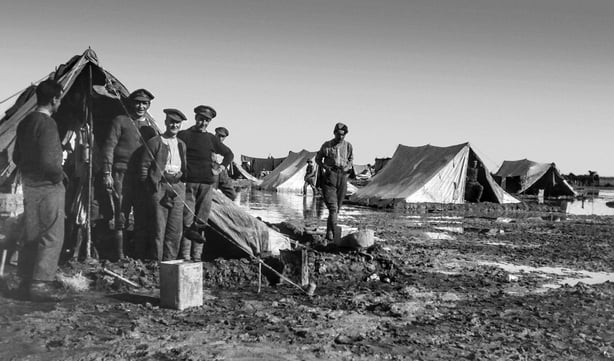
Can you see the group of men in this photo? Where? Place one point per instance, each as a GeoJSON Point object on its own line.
{"type": "Point", "coordinates": [166, 181]}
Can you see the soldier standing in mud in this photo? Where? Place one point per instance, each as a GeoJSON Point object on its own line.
{"type": "Point", "coordinates": [222, 180]}
{"type": "Point", "coordinates": [335, 158]}
{"type": "Point", "coordinates": [161, 172]}
{"type": "Point", "coordinates": [201, 146]}
{"type": "Point", "coordinates": [38, 155]}
{"type": "Point", "coordinates": [117, 151]}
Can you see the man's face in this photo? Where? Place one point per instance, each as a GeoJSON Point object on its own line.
{"type": "Point", "coordinates": [339, 135]}
{"type": "Point", "coordinates": [172, 126]}
{"type": "Point", "coordinates": [202, 121]}
{"type": "Point", "coordinates": [221, 137]}
{"type": "Point", "coordinates": [141, 107]}
{"type": "Point", "coordinates": [56, 102]}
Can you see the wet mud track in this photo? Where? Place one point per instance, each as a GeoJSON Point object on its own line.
{"type": "Point", "coordinates": [421, 293]}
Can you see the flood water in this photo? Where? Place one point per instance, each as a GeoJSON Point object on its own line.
{"type": "Point", "coordinates": [593, 206]}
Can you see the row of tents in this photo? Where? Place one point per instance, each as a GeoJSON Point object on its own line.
{"type": "Point", "coordinates": [431, 174]}
{"type": "Point", "coordinates": [93, 96]}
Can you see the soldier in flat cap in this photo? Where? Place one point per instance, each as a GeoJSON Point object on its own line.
{"type": "Point", "coordinates": [310, 178]}
{"type": "Point", "coordinates": [223, 181]}
{"type": "Point", "coordinates": [162, 170]}
{"type": "Point", "coordinates": [335, 159]}
{"type": "Point", "coordinates": [201, 146]}
{"type": "Point", "coordinates": [38, 156]}
{"type": "Point", "coordinates": [123, 139]}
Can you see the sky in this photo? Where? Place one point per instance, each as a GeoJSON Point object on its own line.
{"type": "Point", "coordinates": [516, 78]}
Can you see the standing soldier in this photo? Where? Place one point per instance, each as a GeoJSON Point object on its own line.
{"type": "Point", "coordinates": [161, 172]}
{"type": "Point", "coordinates": [38, 155]}
{"type": "Point", "coordinates": [335, 158]}
{"type": "Point", "coordinates": [223, 181]}
{"type": "Point", "coordinates": [123, 139]}
{"type": "Point", "coordinates": [201, 146]}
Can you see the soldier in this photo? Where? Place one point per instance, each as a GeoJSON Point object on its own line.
{"type": "Point", "coordinates": [201, 146]}
{"type": "Point", "coordinates": [223, 181]}
{"type": "Point", "coordinates": [38, 155]}
{"type": "Point", "coordinates": [161, 172]}
{"type": "Point", "coordinates": [123, 139]}
{"type": "Point", "coordinates": [335, 158]}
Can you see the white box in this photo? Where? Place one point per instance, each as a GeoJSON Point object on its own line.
{"type": "Point", "coordinates": [181, 284]}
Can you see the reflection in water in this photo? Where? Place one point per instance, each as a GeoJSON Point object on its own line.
{"type": "Point", "coordinates": [590, 206]}
{"type": "Point", "coordinates": [276, 207]}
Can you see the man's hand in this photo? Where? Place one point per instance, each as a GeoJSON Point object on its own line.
{"type": "Point", "coordinates": [108, 181]}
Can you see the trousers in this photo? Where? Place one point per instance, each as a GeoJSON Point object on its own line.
{"type": "Point", "coordinates": [44, 218]}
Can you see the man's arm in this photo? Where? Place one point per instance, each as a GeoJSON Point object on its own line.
{"type": "Point", "coordinates": [221, 148]}
{"type": "Point", "coordinates": [350, 160]}
{"type": "Point", "coordinates": [320, 157]}
{"type": "Point", "coordinates": [110, 143]}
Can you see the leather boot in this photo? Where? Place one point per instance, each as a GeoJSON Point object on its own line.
{"type": "Point", "coordinates": [118, 237]}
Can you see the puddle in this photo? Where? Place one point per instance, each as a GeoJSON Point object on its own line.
{"type": "Point", "coordinates": [597, 206]}
{"type": "Point", "coordinates": [571, 277]}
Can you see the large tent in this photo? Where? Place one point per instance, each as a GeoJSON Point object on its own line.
{"type": "Point", "coordinates": [289, 175]}
{"type": "Point", "coordinates": [429, 174]}
{"type": "Point", "coordinates": [527, 177]}
{"type": "Point", "coordinates": [92, 97]}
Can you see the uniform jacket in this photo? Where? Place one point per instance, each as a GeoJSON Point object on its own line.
{"type": "Point", "coordinates": [151, 168]}
{"type": "Point", "coordinates": [201, 147]}
{"type": "Point", "coordinates": [123, 139]}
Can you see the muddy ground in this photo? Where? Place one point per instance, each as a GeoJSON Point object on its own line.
{"type": "Point", "coordinates": [421, 293]}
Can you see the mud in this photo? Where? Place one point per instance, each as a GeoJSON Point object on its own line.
{"type": "Point", "coordinates": [429, 289]}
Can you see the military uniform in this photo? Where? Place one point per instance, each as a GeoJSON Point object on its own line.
{"type": "Point", "coordinates": [200, 182]}
{"type": "Point", "coordinates": [335, 158]}
{"type": "Point", "coordinates": [161, 172]}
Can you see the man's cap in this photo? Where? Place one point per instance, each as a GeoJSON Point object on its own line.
{"type": "Point", "coordinates": [142, 95]}
{"type": "Point", "coordinates": [222, 131]}
{"type": "Point", "coordinates": [206, 111]}
{"type": "Point", "coordinates": [175, 114]}
{"type": "Point", "coordinates": [340, 126]}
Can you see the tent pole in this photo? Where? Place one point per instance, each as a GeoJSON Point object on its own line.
{"type": "Point", "coordinates": [90, 140]}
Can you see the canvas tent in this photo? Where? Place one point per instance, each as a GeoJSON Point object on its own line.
{"type": "Point", "coordinates": [429, 174]}
{"type": "Point", "coordinates": [289, 175]}
{"type": "Point", "coordinates": [379, 164]}
{"type": "Point", "coordinates": [361, 171]}
{"type": "Point", "coordinates": [237, 171]}
{"type": "Point", "coordinates": [528, 177]}
{"type": "Point", "coordinates": [92, 97]}
{"type": "Point", "coordinates": [257, 165]}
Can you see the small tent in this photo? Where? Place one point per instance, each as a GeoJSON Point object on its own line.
{"type": "Point", "coordinates": [528, 177]}
{"type": "Point", "coordinates": [379, 164]}
{"type": "Point", "coordinates": [237, 171]}
{"type": "Point", "coordinates": [429, 174]}
{"type": "Point", "coordinates": [258, 165]}
{"type": "Point", "coordinates": [289, 176]}
{"type": "Point", "coordinates": [361, 171]}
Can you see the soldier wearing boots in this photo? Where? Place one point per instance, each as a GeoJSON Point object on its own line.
{"type": "Point", "coordinates": [335, 158]}
{"type": "Point", "coordinates": [123, 140]}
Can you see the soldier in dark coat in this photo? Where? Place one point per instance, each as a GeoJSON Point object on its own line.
{"type": "Point", "coordinates": [123, 140]}
{"type": "Point", "coordinates": [38, 155]}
